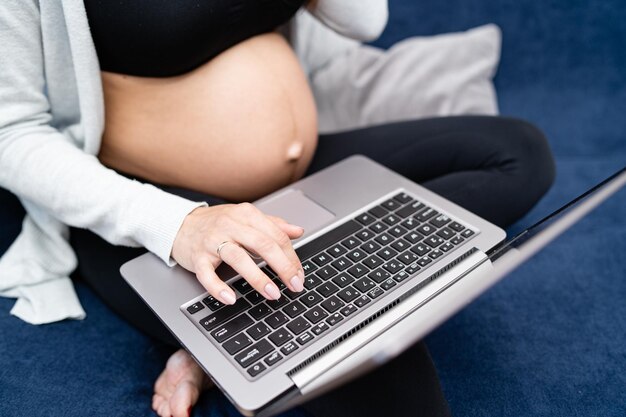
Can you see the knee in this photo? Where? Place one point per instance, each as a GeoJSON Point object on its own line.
{"type": "Point", "coordinates": [532, 162]}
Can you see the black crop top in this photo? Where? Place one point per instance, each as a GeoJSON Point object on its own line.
{"type": "Point", "coordinates": [162, 38]}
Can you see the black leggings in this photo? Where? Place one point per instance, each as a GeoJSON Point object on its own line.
{"type": "Point", "coordinates": [496, 167]}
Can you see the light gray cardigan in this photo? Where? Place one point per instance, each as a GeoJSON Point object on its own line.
{"type": "Point", "coordinates": [51, 122]}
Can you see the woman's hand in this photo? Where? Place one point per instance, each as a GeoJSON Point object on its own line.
{"type": "Point", "coordinates": [245, 228]}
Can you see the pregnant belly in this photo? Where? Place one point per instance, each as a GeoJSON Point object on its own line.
{"type": "Point", "coordinates": [240, 126]}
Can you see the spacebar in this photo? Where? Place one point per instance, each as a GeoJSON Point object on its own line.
{"type": "Point", "coordinates": [327, 240]}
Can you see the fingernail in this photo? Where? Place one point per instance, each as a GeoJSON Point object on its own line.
{"type": "Point", "coordinates": [296, 283]}
{"type": "Point", "coordinates": [227, 297]}
{"type": "Point", "coordinates": [272, 291]}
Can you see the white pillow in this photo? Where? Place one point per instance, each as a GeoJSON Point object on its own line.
{"type": "Point", "coordinates": [419, 77]}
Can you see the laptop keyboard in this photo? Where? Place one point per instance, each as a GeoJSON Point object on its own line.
{"type": "Point", "coordinates": [345, 269]}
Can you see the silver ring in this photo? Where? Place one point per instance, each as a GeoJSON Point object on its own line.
{"type": "Point", "coordinates": [221, 246]}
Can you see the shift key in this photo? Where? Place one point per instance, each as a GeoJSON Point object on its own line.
{"type": "Point", "coordinates": [254, 353]}
{"type": "Point", "coordinates": [220, 316]}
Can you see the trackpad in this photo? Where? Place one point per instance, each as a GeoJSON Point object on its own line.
{"type": "Point", "coordinates": [296, 208]}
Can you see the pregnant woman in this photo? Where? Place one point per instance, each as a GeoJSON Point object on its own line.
{"type": "Point", "coordinates": [152, 123]}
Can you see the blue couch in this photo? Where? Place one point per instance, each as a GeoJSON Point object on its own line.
{"type": "Point", "coordinates": [549, 340]}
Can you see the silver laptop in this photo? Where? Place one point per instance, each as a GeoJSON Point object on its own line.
{"type": "Point", "coordinates": [385, 262]}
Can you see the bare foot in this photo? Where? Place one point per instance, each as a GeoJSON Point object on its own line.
{"type": "Point", "coordinates": [178, 387]}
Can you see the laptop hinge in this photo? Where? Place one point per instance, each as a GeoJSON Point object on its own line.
{"type": "Point", "coordinates": [424, 290]}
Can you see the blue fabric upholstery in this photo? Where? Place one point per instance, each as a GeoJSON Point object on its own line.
{"type": "Point", "coordinates": [549, 340]}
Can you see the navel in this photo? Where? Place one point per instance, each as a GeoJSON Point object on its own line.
{"type": "Point", "coordinates": [294, 151]}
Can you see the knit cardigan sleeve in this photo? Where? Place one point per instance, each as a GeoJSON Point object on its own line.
{"type": "Point", "coordinates": [362, 20]}
{"type": "Point", "coordinates": [45, 167]}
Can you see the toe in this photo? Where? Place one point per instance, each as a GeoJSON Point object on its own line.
{"type": "Point", "coordinates": [185, 396]}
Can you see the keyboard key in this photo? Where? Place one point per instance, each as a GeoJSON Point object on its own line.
{"type": "Point", "coordinates": [311, 298]}
{"type": "Point", "coordinates": [413, 268]}
{"type": "Point", "coordinates": [445, 233]}
{"type": "Point", "coordinates": [365, 234]}
{"type": "Point", "coordinates": [373, 261]}
{"type": "Point", "coordinates": [467, 233]}
{"type": "Point", "coordinates": [410, 223]}
{"type": "Point", "coordinates": [379, 275]}
{"type": "Point", "coordinates": [351, 242]}
{"type": "Point", "coordinates": [258, 331]}
{"type": "Point", "coordinates": [388, 284]}
{"type": "Point", "coordinates": [446, 247]}
{"type": "Point", "coordinates": [277, 319]}
{"type": "Point", "coordinates": [436, 253]}
{"type": "Point", "coordinates": [440, 220]}
{"type": "Point", "coordinates": [347, 310]}
{"type": "Point", "coordinates": [420, 249]}
{"type": "Point", "coordinates": [326, 272]}
{"type": "Point", "coordinates": [327, 289]}
{"type": "Point", "coordinates": [292, 295]}
{"type": "Point", "coordinates": [208, 300]}
{"type": "Point", "coordinates": [434, 241]}
{"type": "Point", "coordinates": [337, 250]}
{"type": "Point", "coordinates": [334, 319]}
{"type": "Point", "coordinates": [393, 266]}
{"type": "Point", "coordinates": [311, 282]}
{"type": "Point", "coordinates": [391, 219]}
{"type": "Point", "coordinates": [358, 271]}
{"type": "Point", "coordinates": [397, 231]}
{"type": "Point", "coordinates": [386, 253]}
{"type": "Point", "coordinates": [273, 358]}
{"type": "Point", "coordinates": [400, 245]}
{"type": "Point", "coordinates": [242, 286]}
{"type": "Point", "coordinates": [342, 264]}
{"type": "Point", "coordinates": [215, 305]}
{"type": "Point", "coordinates": [364, 284]}
{"type": "Point", "coordinates": [348, 294]}
{"type": "Point", "coordinates": [365, 219]}
{"type": "Point", "coordinates": [378, 211]}
{"type": "Point", "coordinates": [362, 301]}
{"type": "Point", "coordinates": [332, 304]}
{"type": "Point", "coordinates": [384, 239]}
{"type": "Point", "coordinates": [424, 261]}
{"type": "Point", "coordinates": [426, 229]}
{"type": "Point", "coordinates": [308, 267]}
{"type": "Point", "coordinates": [316, 314]}
{"type": "Point", "coordinates": [281, 285]}
{"type": "Point", "coordinates": [343, 279]}
{"type": "Point", "coordinates": [322, 259]}
{"type": "Point", "coordinates": [414, 237]}
{"type": "Point", "coordinates": [267, 270]}
{"type": "Point", "coordinates": [254, 297]}
{"type": "Point", "coordinates": [409, 209]}
{"type": "Point", "coordinates": [298, 325]}
{"type": "Point", "coordinates": [391, 204]}
{"type": "Point", "coordinates": [304, 338]}
{"type": "Point", "coordinates": [407, 257]}
{"type": "Point", "coordinates": [278, 304]}
{"type": "Point", "coordinates": [320, 328]}
{"type": "Point", "coordinates": [456, 240]}
{"type": "Point", "coordinates": [457, 227]}
{"type": "Point", "coordinates": [289, 348]}
{"type": "Point", "coordinates": [356, 255]}
{"type": "Point", "coordinates": [375, 293]}
{"type": "Point", "coordinates": [195, 307]}
{"type": "Point", "coordinates": [256, 369]}
{"type": "Point", "coordinates": [401, 276]}
{"type": "Point", "coordinates": [403, 198]}
{"type": "Point", "coordinates": [378, 227]}
{"type": "Point", "coordinates": [370, 247]}
{"type": "Point", "coordinates": [260, 311]}
{"type": "Point", "coordinates": [231, 328]}
{"type": "Point", "coordinates": [294, 309]}
{"type": "Point", "coordinates": [426, 214]}
{"type": "Point", "coordinates": [220, 316]}
{"type": "Point", "coordinates": [253, 353]}
{"type": "Point", "coordinates": [280, 337]}
{"type": "Point", "coordinates": [237, 343]}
